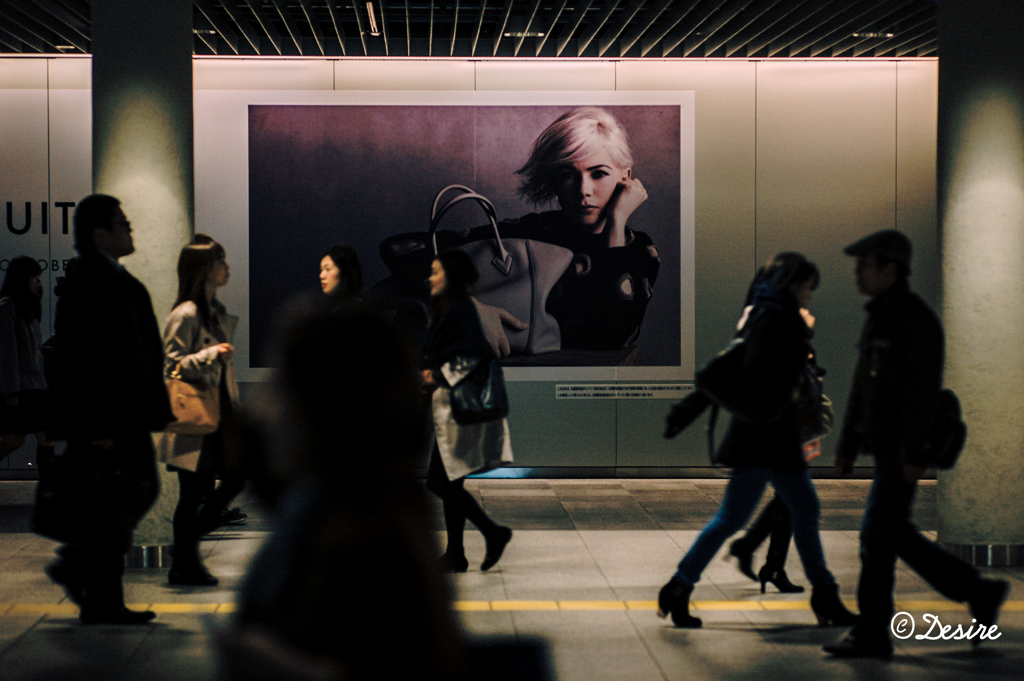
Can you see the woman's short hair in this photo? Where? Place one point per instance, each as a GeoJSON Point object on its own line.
{"type": "Point", "coordinates": [195, 263]}
{"type": "Point", "coordinates": [347, 262]}
{"type": "Point", "coordinates": [572, 137]}
{"type": "Point", "coordinates": [15, 286]}
{"type": "Point", "coordinates": [788, 269]}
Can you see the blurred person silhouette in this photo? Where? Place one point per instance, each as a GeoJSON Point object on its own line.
{"type": "Point", "coordinates": [351, 532]}
{"type": "Point", "coordinates": [197, 349]}
{"type": "Point", "coordinates": [892, 405]}
{"type": "Point", "coordinates": [108, 397]}
{"type": "Point", "coordinates": [455, 333]}
{"type": "Point", "coordinates": [777, 341]}
{"type": "Point", "coordinates": [773, 522]}
{"type": "Point", "coordinates": [23, 399]}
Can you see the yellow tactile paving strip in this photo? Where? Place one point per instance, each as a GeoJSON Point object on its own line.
{"type": "Point", "coordinates": [65, 609]}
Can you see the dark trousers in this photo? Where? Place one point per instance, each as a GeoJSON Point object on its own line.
{"type": "Point", "coordinates": [193, 488]}
{"type": "Point", "coordinates": [459, 505]}
{"type": "Point", "coordinates": [887, 533]}
{"type": "Point", "coordinates": [774, 520]}
{"type": "Point", "coordinates": [130, 480]}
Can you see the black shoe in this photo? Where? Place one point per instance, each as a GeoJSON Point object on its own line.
{"type": "Point", "coordinates": [208, 522]}
{"type": "Point", "coordinates": [452, 562]}
{"type": "Point", "coordinates": [744, 558]}
{"type": "Point", "coordinates": [120, 615]}
{"type": "Point", "coordinates": [196, 576]}
{"type": "Point", "coordinates": [233, 516]}
{"type": "Point", "coordinates": [989, 596]}
{"type": "Point", "coordinates": [59, 573]}
{"type": "Point", "coordinates": [495, 547]}
{"type": "Point", "coordinates": [828, 608]}
{"type": "Point", "coordinates": [780, 579]}
{"type": "Point", "coordinates": [674, 600]}
{"type": "Point", "coordinates": [855, 646]}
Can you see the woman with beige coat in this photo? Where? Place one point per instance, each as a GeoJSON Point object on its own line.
{"type": "Point", "coordinates": [197, 348]}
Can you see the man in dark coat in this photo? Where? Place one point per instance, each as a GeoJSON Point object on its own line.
{"type": "Point", "coordinates": [891, 409]}
{"type": "Point", "coordinates": [109, 396]}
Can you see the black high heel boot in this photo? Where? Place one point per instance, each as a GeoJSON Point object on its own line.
{"type": "Point", "coordinates": [674, 599]}
{"type": "Point", "coordinates": [744, 558]}
{"type": "Point", "coordinates": [828, 608]}
{"type": "Point", "coordinates": [780, 579]}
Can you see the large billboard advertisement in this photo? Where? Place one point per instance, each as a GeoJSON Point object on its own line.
{"type": "Point", "coordinates": [282, 176]}
{"type": "Point", "coordinates": [367, 177]}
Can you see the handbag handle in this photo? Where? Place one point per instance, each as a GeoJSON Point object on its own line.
{"type": "Point", "coordinates": [502, 261]}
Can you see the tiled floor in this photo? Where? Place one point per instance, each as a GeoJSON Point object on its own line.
{"type": "Point", "coordinates": [582, 571]}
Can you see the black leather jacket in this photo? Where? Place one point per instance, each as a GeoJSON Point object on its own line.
{"type": "Point", "coordinates": [897, 380]}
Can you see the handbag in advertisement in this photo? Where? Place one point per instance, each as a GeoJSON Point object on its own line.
{"type": "Point", "coordinates": [515, 274]}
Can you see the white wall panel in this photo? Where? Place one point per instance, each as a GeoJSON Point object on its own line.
{"type": "Point", "coordinates": [22, 74]}
{"type": "Point", "coordinates": [70, 73]}
{"type": "Point", "coordinates": [826, 175]}
{"type": "Point", "coordinates": [916, 133]}
{"type": "Point", "coordinates": [262, 74]}
{"type": "Point", "coordinates": [404, 75]}
{"type": "Point", "coordinates": [724, 103]}
{"type": "Point", "coordinates": [545, 75]}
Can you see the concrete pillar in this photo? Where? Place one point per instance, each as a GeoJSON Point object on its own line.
{"type": "Point", "coordinates": [981, 212]}
{"type": "Point", "coordinates": [143, 154]}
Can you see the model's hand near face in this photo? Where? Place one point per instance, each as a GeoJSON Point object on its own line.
{"type": "Point", "coordinates": [628, 195]}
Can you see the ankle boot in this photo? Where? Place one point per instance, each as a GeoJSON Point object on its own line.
{"type": "Point", "coordinates": [779, 579]}
{"type": "Point", "coordinates": [744, 558]}
{"type": "Point", "coordinates": [496, 543]}
{"type": "Point", "coordinates": [674, 599]}
{"type": "Point", "coordinates": [828, 608]}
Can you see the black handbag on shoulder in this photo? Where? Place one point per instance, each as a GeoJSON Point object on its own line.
{"type": "Point", "coordinates": [480, 396]}
{"type": "Point", "coordinates": [814, 412]}
{"type": "Point", "coordinates": [732, 386]}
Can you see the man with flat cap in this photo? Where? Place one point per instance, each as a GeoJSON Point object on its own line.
{"type": "Point", "coordinates": [891, 408]}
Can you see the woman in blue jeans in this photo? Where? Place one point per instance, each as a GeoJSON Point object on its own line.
{"type": "Point", "coordinates": [769, 450]}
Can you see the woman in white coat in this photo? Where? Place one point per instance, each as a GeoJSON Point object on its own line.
{"type": "Point", "coordinates": [198, 349]}
{"type": "Point", "coordinates": [455, 333]}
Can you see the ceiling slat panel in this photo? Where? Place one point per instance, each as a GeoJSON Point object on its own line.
{"type": "Point", "coordinates": [570, 30]}
{"type": "Point", "coordinates": [595, 27]}
{"type": "Point", "coordinates": [220, 24]}
{"type": "Point", "coordinates": [314, 25]}
{"type": "Point", "coordinates": [549, 27]}
{"type": "Point", "coordinates": [673, 29]}
{"type": "Point", "coordinates": [506, 12]}
{"type": "Point", "coordinates": [268, 27]}
{"type": "Point", "coordinates": [615, 30]}
{"type": "Point", "coordinates": [336, 22]}
{"type": "Point", "coordinates": [664, 27]}
{"type": "Point", "coordinates": [293, 30]}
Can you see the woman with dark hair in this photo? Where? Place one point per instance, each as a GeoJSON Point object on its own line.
{"type": "Point", "coordinates": [341, 275]}
{"type": "Point", "coordinates": [22, 381]}
{"type": "Point", "coordinates": [777, 341]}
{"type": "Point", "coordinates": [198, 349]}
{"type": "Point", "coordinates": [454, 337]}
